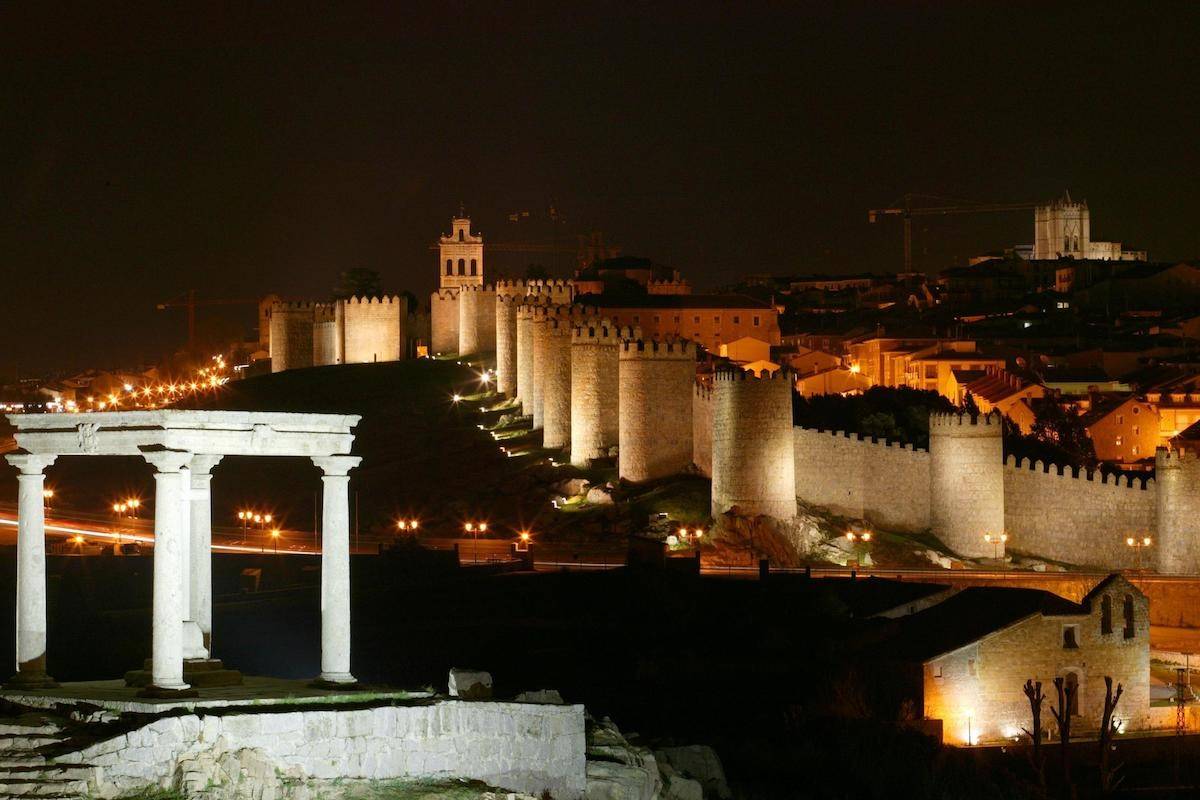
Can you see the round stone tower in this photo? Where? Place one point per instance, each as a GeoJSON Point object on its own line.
{"type": "Point", "coordinates": [654, 382]}
{"type": "Point", "coordinates": [1177, 489]}
{"type": "Point", "coordinates": [537, 378]}
{"type": "Point", "coordinates": [594, 388]}
{"type": "Point", "coordinates": [525, 313]}
{"type": "Point", "coordinates": [556, 379]}
{"type": "Point", "coordinates": [753, 461]}
{"type": "Point", "coordinates": [292, 335]}
{"type": "Point", "coordinates": [476, 320]}
{"type": "Point", "coordinates": [509, 294]}
{"type": "Point", "coordinates": [966, 476]}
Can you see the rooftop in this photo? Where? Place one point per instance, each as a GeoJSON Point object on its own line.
{"type": "Point", "coordinates": [673, 301]}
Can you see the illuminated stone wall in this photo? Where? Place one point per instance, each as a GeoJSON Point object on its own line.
{"type": "Point", "coordinates": [520, 747]}
{"type": "Point", "coordinates": [702, 427]}
{"type": "Point", "coordinates": [506, 344]}
{"type": "Point", "coordinates": [655, 429]}
{"type": "Point", "coordinates": [327, 339]}
{"type": "Point", "coordinates": [1177, 507]}
{"type": "Point", "coordinates": [753, 459]}
{"type": "Point", "coordinates": [540, 337]}
{"type": "Point", "coordinates": [556, 381]}
{"type": "Point", "coordinates": [1076, 518]}
{"type": "Point", "coordinates": [976, 690]}
{"type": "Point", "coordinates": [476, 320]}
{"type": "Point", "coordinates": [525, 314]}
{"type": "Point", "coordinates": [291, 335]}
{"type": "Point", "coordinates": [966, 475]}
{"type": "Point", "coordinates": [443, 321]}
{"type": "Point", "coordinates": [595, 397]}
{"type": "Point", "coordinates": [371, 329]}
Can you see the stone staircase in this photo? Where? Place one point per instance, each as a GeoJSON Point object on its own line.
{"type": "Point", "coordinates": [26, 773]}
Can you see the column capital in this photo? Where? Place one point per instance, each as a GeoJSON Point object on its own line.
{"type": "Point", "coordinates": [164, 459]}
{"type": "Point", "coordinates": [30, 463]}
{"type": "Point", "coordinates": [336, 465]}
{"type": "Point", "coordinates": [202, 465]}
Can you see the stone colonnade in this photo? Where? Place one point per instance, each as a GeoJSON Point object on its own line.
{"type": "Point", "coordinates": [181, 627]}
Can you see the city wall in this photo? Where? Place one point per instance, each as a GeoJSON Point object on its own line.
{"type": "Point", "coordinates": [515, 746]}
{"type": "Point", "coordinates": [370, 329]}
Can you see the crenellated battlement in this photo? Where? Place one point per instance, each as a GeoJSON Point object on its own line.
{"type": "Point", "coordinates": [729, 372]}
{"type": "Point", "coordinates": [652, 348]}
{"type": "Point", "coordinates": [478, 289]}
{"type": "Point", "coordinates": [604, 332]}
{"type": "Point", "coordinates": [446, 294]}
{"type": "Point", "coordinates": [294, 306]}
{"type": "Point", "coordinates": [703, 390]}
{"type": "Point", "coordinates": [1076, 473]}
{"type": "Point", "coordinates": [387, 300]}
{"type": "Point", "coordinates": [512, 287]}
{"type": "Point", "coordinates": [859, 438]}
{"type": "Point", "coordinates": [1176, 459]}
{"type": "Point", "coordinates": [323, 313]}
{"type": "Point", "coordinates": [953, 420]}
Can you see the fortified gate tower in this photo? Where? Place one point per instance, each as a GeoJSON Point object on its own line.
{"type": "Point", "coordinates": [461, 255]}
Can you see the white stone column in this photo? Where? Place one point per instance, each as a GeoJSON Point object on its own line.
{"type": "Point", "coordinates": [31, 572]}
{"type": "Point", "coordinates": [200, 585]}
{"type": "Point", "coordinates": [166, 658]}
{"type": "Point", "coordinates": [335, 569]}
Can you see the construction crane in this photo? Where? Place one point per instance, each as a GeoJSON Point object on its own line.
{"type": "Point", "coordinates": [188, 300]}
{"type": "Point", "coordinates": [906, 209]}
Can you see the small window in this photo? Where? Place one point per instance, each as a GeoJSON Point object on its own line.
{"type": "Point", "coordinates": [462, 266]}
{"type": "Point", "coordinates": [1136, 410]}
{"type": "Point", "coordinates": [449, 266]}
{"type": "Point", "coordinates": [1071, 687]}
{"type": "Point", "coordinates": [717, 321]}
{"type": "Point", "coordinates": [1120, 419]}
{"type": "Point", "coordinates": [1130, 625]}
{"type": "Point", "coordinates": [637, 318]}
{"type": "Point", "coordinates": [971, 666]}
{"type": "Point", "coordinates": [1119, 440]}
{"type": "Point", "coordinates": [474, 267]}
{"type": "Point", "coordinates": [1135, 449]}
{"type": "Point", "coordinates": [461, 234]}
{"type": "Point", "coordinates": [657, 319]}
{"type": "Point", "coordinates": [1070, 637]}
{"type": "Point", "coordinates": [937, 672]}
{"type": "Point", "coordinates": [737, 320]}
{"type": "Point", "coordinates": [676, 319]}
{"type": "Point", "coordinates": [1106, 615]}
{"type": "Point", "coordinates": [755, 321]}
{"type": "Point", "coordinates": [696, 320]}
{"type": "Point", "coordinates": [1137, 429]}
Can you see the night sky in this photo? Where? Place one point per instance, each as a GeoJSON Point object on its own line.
{"type": "Point", "coordinates": [235, 152]}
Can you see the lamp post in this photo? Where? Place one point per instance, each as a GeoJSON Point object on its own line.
{"type": "Point", "coordinates": [996, 541]}
{"type": "Point", "coordinates": [475, 529]}
{"type": "Point", "coordinates": [1138, 545]}
{"type": "Point", "coordinates": [244, 516]}
{"type": "Point", "coordinates": [523, 540]}
{"type": "Point", "coordinates": [47, 496]}
{"type": "Point", "coordinates": [860, 536]}
{"type": "Point", "coordinates": [275, 539]}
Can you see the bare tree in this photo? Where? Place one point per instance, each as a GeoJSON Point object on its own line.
{"type": "Point", "coordinates": [1108, 728]}
{"type": "Point", "coordinates": [1062, 715]}
{"type": "Point", "coordinates": [1034, 692]}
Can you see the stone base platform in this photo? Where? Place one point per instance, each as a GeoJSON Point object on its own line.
{"type": "Point", "coordinates": [198, 673]}
{"type": "Point", "coordinates": [116, 696]}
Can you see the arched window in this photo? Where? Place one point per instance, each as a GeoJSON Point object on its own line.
{"type": "Point", "coordinates": [462, 266]}
{"type": "Point", "coordinates": [1075, 242]}
{"type": "Point", "coordinates": [1130, 627]}
{"type": "Point", "coordinates": [449, 266]}
{"type": "Point", "coordinates": [1106, 615]}
{"type": "Point", "coordinates": [1066, 244]}
{"type": "Point", "coordinates": [473, 267]}
{"type": "Point", "coordinates": [461, 234]}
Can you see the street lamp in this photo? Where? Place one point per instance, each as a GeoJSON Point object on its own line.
{"type": "Point", "coordinates": [523, 540]}
{"type": "Point", "coordinates": [134, 504]}
{"type": "Point", "coordinates": [996, 541]}
{"type": "Point", "coordinates": [475, 528]}
{"type": "Point", "coordinates": [275, 538]}
{"type": "Point", "coordinates": [244, 516]}
{"type": "Point", "coordinates": [1138, 545]}
{"type": "Point", "coordinates": [860, 536]}
{"type": "Point", "coordinates": [47, 496]}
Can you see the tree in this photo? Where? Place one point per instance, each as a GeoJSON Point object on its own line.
{"type": "Point", "coordinates": [358, 282]}
{"type": "Point", "coordinates": [1034, 692]}
{"type": "Point", "coordinates": [1062, 715]}
{"type": "Point", "coordinates": [969, 406]}
{"type": "Point", "coordinates": [1108, 728]}
{"type": "Point", "coordinates": [1057, 426]}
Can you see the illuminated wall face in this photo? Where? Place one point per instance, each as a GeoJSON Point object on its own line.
{"type": "Point", "coordinates": [977, 691]}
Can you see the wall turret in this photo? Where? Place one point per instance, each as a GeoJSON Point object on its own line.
{"type": "Point", "coordinates": [506, 342]}
{"type": "Point", "coordinates": [525, 314]}
{"type": "Point", "coordinates": [967, 481]}
{"type": "Point", "coordinates": [476, 320]}
{"type": "Point", "coordinates": [370, 329]}
{"type": "Point", "coordinates": [595, 406]}
{"type": "Point", "coordinates": [327, 335]}
{"type": "Point", "coordinates": [556, 379]}
{"type": "Point", "coordinates": [655, 398]}
{"type": "Point", "coordinates": [1177, 480]}
{"type": "Point", "coordinates": [753, 466]}
{"type": "Point", "coordinates": [292, 335]}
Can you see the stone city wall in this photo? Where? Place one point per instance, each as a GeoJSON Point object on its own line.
{"type": "Point", "coordinates": [595, 399]}
{"type": "Point", "coordinates": [655, 382]}
{"type": "Point", "coordinates": [1177, 507]}
{"type": "Point", "coordinates": [1073, 517]}
{"type": "Point", "coordinates": [476, 320]}
{"type": "Point", "coordinates": [515, 746]}
{"type": "Point", "coordinates": [327, 339]}
{"type": "Point", "coordinates": [886, 483]}
{"type": "Point", "coordinates": [292, 335]}
{"type": "Point", "coordinates": [556, 383]}
{"type": "Point", "coordinates": [525, 314]}
{"type": "Point", "coordinates": [753, 458]}
{"type": "Point", "coordinates": [702, 427]}
{"type": "Point", "coordinates": [506, 344]}
{"type": "Point", "coordinates": [371, 328]}
{"type": "Point", "coordinates": [966, 481]}
{"type": "Point", "coordinates": [443, 322]}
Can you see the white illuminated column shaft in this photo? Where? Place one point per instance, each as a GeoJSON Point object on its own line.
{"type": "Point", "coordinates": [166, 659]}
{"type": "Point", "coordinates": [335, 569]}
{"type": "Point", "coordinates": [31, 571]}
{"type": "Point", "coordinates": [200, 585]}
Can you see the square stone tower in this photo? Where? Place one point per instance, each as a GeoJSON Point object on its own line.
{"type": "Point", "coordinates": [1062, 228]}
{"type": "Point", "coordinates": [461, 255]}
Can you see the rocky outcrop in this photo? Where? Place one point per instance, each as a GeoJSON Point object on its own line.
{"type": "Point", "coordinates": [616, 769]}
{"type": "Point", "coordinates": [470, 684]}
{"type": "Point", "coordinates": [699, 764]}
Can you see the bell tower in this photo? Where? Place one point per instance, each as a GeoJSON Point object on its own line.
{"type": "Point", "coordinates": [460, 261]}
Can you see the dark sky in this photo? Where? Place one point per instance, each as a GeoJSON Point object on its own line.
{"type": "Point", "coordinates": [146, 152]}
